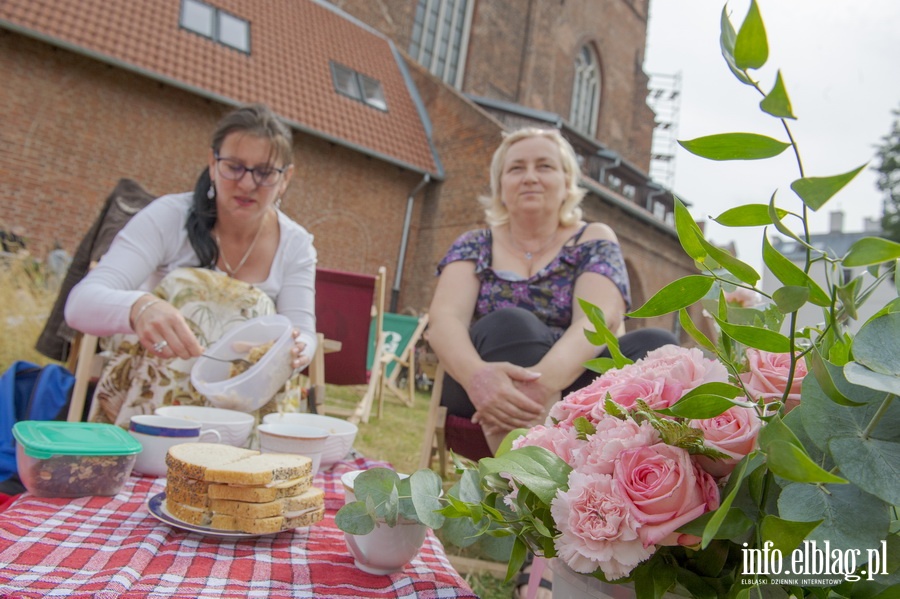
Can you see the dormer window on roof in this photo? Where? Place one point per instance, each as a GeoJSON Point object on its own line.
{"type": "Point", "coordinates": [357, 86]}
{"type": "Point", "coordinates": [216, 24]}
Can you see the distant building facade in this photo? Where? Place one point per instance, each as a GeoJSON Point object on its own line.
{"type": "Point", "coordinates": [836, 242]}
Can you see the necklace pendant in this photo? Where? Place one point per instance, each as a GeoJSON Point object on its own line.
{"type": "Point", "coordinates": [528, 255]}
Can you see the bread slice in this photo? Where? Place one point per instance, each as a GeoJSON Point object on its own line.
{"type": "Point", "coordinates": [188, 491]}
{"type": "Point", "coordinates": [260, 494]}
{"type": "Point", "coordinates": [311, 498]}
{"type": "Point", "coordinates": [259, 469]}
{"type": "Point", "coordinates": [190, 460]}
{"type": "Point", "coordinates": [213, 462]}
{"type": "Point", "coordinates": [198, 516]}
{"type": "Point", "coordinates": [267, 525]}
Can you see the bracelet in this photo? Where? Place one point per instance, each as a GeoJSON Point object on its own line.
{"type": "Point", "coordinates": [137, 317]}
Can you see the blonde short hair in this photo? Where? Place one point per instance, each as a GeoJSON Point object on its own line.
{"type": "Point", "coordinates": [570, 210]}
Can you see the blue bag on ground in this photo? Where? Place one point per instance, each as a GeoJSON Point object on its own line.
{"type": "Point", "coordinates": [29, 392]}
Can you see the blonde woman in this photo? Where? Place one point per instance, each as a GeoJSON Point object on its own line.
{"type": "Point", "coordinates": [504, 320]}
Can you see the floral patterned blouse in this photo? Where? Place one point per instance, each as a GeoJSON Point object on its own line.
{"type": "Point", "coordinates": [548, 293]}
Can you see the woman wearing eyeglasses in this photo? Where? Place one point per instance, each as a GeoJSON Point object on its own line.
{"type": "Point", "coordinates": [190, 265]}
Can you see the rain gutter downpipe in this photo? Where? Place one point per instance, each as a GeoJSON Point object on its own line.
{"type": "Point", "coordinates": [401, 258]}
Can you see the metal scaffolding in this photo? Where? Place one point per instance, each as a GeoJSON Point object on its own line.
{"type": "Point", "coordinates": [664, 97]}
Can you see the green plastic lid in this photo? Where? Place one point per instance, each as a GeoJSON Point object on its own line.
{"type": "Point", "coordinates": [44, 439]}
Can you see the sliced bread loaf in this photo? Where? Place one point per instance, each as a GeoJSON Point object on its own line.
{"type": "Point", "coordinates": [286, 506]}
{"type": "Point", "coordinates": [259, 469]}
{"type": "Point", "coordinates": [260, 494]}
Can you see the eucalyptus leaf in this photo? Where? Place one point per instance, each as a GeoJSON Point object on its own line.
{"type": "Point", "coordinates": [759, 338]}
{"type": "Point", "coordinates": [777, 102]}
{"type": "Point", "coordinates": [877, 344]}
{"type": "Point", "coordinates": [780, 226]}
{"type": "Point", "coordinates": [785, 535]}
{"type": "Point", "coordinates": [751, 48]}
{"type": "Point", "coordinates": [675, 296]}
{"type": "Point", "coordinates": [871, 250]}
{"type": "Point", "coordinates": [355, 519]}
{"type": "Point", "coordinates": [825, 420]}
{"type": "Point", "coordinates": [600, 365]}
{"type": "Point", "coordinates": [858, 374]}
{"type": "Point", "coordinates": [748, 215]}
{"type": "Point", "coordinates": [815, 191]}
{"type": "Point", "coordinates": [426, 489]}
{"type": "Point", "coordinates": [873, 464]}
{"type": "Point", "coordinates": [538, 469]}
{"type": "Point", "coordinates": [735, 146]}
{"type": "Point", "coordinates": [839, 507]}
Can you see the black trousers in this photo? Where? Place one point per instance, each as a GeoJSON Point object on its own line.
{"type": "Point", "coordinates": [517, 336]}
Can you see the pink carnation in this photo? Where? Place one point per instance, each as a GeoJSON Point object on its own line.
{"type": "Point", "coordinates": [732, 432]}
{"type": "Point", "coordinates": [682, 368]}
{"type": "Point", "coordinates": [665, 489]}
{"type": "Point", "coordinates": [767, 377]}
{"type": "Point", "coordinates": [612, 436]}
{"type": "Point", "coordinates": [597, 527]}
{"type": "Point", "coordinates": [561, 440]}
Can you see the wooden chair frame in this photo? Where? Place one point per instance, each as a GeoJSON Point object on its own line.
{"type": "Point", "coordinates": [406, 359]}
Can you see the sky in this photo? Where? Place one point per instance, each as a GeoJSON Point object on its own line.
{"type": "Point", "coordinates": [840, 62]}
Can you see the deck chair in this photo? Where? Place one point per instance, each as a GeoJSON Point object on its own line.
{"type": "Point", "coordinates": [346, 305]}
{"type": "Point", "coordinates": [87, 365]}
{"type": "Point", "coordinates": [401, 335]}
{"type": "Point", "coordinates": [434, 443]}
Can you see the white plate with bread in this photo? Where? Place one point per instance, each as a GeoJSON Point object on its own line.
{"type": "Point", "coordinates": [233, 492]}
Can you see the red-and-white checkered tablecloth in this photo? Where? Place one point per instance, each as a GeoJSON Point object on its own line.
{"type": "Point", "coordinates": [108, 547]}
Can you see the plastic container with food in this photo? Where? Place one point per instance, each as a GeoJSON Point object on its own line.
{"type": "Point", "coordinates": [254, 387]}
{"type": "Point", "coordinates": [73, 459]}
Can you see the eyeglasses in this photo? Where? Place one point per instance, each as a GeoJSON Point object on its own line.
{"type": "Point", "coordinates": [235, 171]}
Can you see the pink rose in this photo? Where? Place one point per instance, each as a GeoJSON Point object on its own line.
{"type": "Point", "coordinates": [561, 440]}
{"type": "Point", "coordinates": [597, 527]}
{"type": "Point", "coordinates": [744, 298]}
{"type": "Point", "coordinates": [665, 489]}
{"type": "Point", "coordinates": [629, 388]}
{"type": "Point", "coordinates": [767, 377]}
{"type": "Point", "coordinates": [580, 403]}
{"type": "Point", "coordinates": [733, 432]}
{"type": "Point", "coordinates": [613, 436]}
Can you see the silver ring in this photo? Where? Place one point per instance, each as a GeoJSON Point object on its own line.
{"type": "Point", "coordinates": [159, 346]}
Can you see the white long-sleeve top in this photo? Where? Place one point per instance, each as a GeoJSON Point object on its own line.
{"type": "Point", "coordinates": [155, 242]}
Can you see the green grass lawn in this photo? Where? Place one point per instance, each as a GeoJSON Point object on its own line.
{"type": "Point", "coordinates": [396, 438]}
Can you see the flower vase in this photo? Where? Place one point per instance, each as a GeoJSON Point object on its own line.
{"type": "Point", "coordinates": [569, 584]}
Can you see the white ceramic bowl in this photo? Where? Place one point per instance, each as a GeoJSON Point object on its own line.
{"type": "Point", "coordinates": [298, 439]}
{"type": "Point", "coordinates": [337, 446]}
{"type": "Point", "coordinates": [253, 388]}
{"type": "Point", "coordinates": [234, 427]}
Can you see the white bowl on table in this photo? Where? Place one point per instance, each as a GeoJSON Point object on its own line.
{"type": "Point", "coordinates": [340, 440]}
{"type": "Point", "coordinates": [296, 439]}
{"type": "Point", "coordinates": [234, 427]}
{"type": "Point", "coordinates": [256, 386]}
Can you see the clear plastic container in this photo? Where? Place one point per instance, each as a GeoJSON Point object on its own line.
{"type": "Point", "coordinates": [73, 459]}
{"type": "Point", "coordinates": [253, 388]}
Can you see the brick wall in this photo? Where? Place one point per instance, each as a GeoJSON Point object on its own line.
{"type": "Point", "coordinates": [72, 127]}
{"type": "Point", "coordinates": [523, 51]}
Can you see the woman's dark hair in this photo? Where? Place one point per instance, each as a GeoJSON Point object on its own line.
{"type": "Point", "coordinates": [257, 120]}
